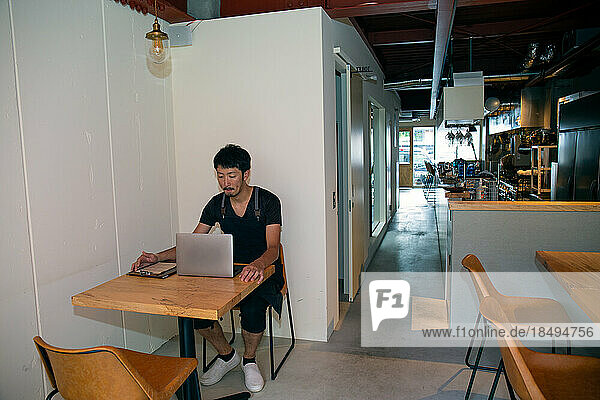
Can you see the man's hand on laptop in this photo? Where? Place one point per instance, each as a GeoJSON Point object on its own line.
{"type": "Point", "coordinates": [252, 272]}
{"type": "Point", "coordinates": [144, 259]}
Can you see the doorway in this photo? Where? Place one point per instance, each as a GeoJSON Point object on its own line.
{"type": "Point", "coordinates": [377, 167]}
{"type": "Point", "coordinates": [344, 207]}
{"type": "Point", "coordinates": [423, 149]}
{"type": "Point", "coordinates": [352, 244]}
{"type": "Point", "coordinates": [405, 154]}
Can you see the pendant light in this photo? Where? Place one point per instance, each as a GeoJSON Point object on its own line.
{"type": "Point", "coordinates": [158, 41]}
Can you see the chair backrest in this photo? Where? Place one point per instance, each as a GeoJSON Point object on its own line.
{"type": "Point", "coordinates": [93, 373]}
{"type": "Point", "coordinates": [483, 285]}
{"type": "Point", "coordinates": [430, 168]}
{"type": "Point", "coordinates": [519, 375]}
{"type": "Point", "coordinates": [284, 289]}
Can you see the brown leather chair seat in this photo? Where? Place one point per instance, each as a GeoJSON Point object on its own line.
{"type": "Point", "coordinates": [107, 372]}
{"type": "Point", "coordinates": [541, 376]}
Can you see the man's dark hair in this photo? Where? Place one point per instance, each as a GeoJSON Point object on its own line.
{"type": "Point", "coordinates": [232, 156]}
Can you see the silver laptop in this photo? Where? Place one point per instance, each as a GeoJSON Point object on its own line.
{"type": "Point", "coordinates": [201, 254]}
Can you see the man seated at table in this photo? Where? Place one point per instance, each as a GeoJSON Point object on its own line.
{"type": "Point", "coordinates": [256, 229]}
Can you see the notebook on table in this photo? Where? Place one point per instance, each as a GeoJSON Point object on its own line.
{"type": "Point", "coordinates": [155, 270]}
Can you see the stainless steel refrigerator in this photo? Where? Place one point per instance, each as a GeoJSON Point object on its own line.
{"type": "Point", "coordinates": [579, 150]}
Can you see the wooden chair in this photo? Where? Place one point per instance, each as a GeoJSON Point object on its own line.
{"type": "Point", "coordinates": [540, 376]}
{"type": "Point", "coordinates": [286, 295]}
{"type": "Point", "coordinates": [523, 309]}
{"type": "Point", "coordinates": [107, 372]}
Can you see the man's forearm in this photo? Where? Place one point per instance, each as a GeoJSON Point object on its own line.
{"type": "Point", "coordinates": [267, 258]}
{"type": "Point", "coordinates": [168, 254]}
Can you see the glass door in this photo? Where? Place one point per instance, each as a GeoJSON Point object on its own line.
{"type": "Point", "coordinates": [423, 149]}
{"type": "Point", "coordinates": [377, 172]}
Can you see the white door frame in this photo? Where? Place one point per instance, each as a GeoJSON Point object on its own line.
{"type": "Point", "coordinates": [343, 64]}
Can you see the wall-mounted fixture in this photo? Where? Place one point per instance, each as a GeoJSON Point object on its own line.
{"type": "Point", "coordinates": [158, 42]}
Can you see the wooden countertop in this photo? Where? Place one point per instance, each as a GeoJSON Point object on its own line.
{"type": "Point", "coordinates": [569, 261]}
{"type": "Point", "coordinates": [181, 296]}
{"type": "Point", "coordinates": [579, 274]}
{"type": "Point", "coordinates": [524, 206]}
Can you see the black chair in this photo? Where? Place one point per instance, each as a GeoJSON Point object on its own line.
{"type": "Point", "coordinates": [286, 294]}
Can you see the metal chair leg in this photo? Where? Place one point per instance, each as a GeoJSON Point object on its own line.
{"type": "Point", "coordinates": [474, 370]}
{"type": "Point", "coordinates": [205, 366]}
{"type": "Point", "coordinates": [275, 371]}
{"type": "Point", "coordinates": [470, 348]}
{"type": "Point", "coordinates": [511, 392]}
{"type": "Point", "coordinates": [496, 378]}
{"type": "Point", "coordinates": [51, 394]}
{"type": "Point", "coordinates": [237, 396]}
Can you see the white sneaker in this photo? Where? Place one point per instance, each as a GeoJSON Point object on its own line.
{"type": "Point", "coordinates": [252, 377]}
{"type": "Point", "coordinates": [219, 369]}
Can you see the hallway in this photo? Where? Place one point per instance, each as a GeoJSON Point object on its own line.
{"type": "Point", "coordinates": [341, 368]}
{"type": "Point", "coordinates": [415, 240]}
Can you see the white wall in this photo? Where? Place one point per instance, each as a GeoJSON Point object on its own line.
{"type": "Point", "coordinates": [266, 82]}
{"type": "Point", "coordinates": [256, 81]}
{"type": "Point", "coordinates": [88, 176]}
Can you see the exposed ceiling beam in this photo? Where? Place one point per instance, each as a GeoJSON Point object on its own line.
{"type": "Point", "coordinates": [446, 9]}
{"type": "Point", "coordinates": [366, 41]}
{"type": "Point", "coordinates": [172, 11]}
{"type": "Point", "coordinates": [363, 8]}
{"type": "Point", "coordinates": [384, 38]}
{"type": "Point", "coordinates": [504, 28]}
{"type": "Point", "coordinates": [341, 9]}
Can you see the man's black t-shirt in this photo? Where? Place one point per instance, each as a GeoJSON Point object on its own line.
{"type": "Point", "coordinates": [249, 234]}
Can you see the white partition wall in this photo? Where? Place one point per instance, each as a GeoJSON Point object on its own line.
{"type": "Point", "coordinates": [266, 82]}
{"type": "Point", "coordinates": [256, 81]}
{"type": "Point", "coordinates": [87, 176]}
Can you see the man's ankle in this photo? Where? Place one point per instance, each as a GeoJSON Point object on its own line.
{"type": "Point", "coordinates": [227, 357]}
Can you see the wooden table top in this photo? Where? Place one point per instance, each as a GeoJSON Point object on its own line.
{"type": "Point", "coordinates": [579, 274]}
{"type": "Point", "coordinates": [180, 296]}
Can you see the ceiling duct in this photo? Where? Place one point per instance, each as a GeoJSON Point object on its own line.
{"type": "Point", "coordinates": [425, 84]}
{"type": "Point", "coordinates": [408, 116]}
{"type": "Point", "coordinates": [536, 107]}
{"type": "Point", "coordinates": [204, 9]}
{"type": "Point", "coordinates": [462, 105]}
{"type": "Point", "coordinates": [446, 9]}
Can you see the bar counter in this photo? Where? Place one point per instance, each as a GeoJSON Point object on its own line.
{"type": "Point", "coordinates": [524, 206]}
{"type": "Point", "coordinates": [505, 236]}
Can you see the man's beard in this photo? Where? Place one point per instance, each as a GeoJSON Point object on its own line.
{"type": "Point", "coordinates": [230, 194]}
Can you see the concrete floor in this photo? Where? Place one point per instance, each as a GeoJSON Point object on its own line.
{"type": "Point", "coordinates": [341, 368]}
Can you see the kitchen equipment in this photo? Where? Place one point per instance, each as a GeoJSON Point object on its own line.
{"type": "Point", "coordinates": [579, 149]}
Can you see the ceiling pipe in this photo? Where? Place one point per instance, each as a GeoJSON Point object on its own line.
{"type": "Point", "coordinates": [415, 84]}
{"type": "Point", "coordinates": [563, 65]}
{"type": "Point", "coordinates": [446, 9]}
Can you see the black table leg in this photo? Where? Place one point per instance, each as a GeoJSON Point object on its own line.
{"type": "Point", "coordinates": [187, 348]}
